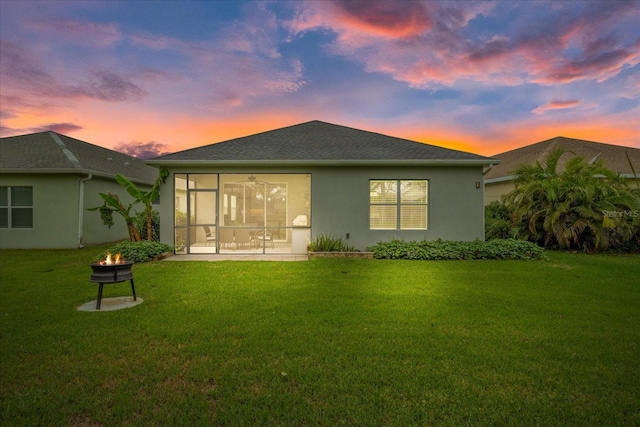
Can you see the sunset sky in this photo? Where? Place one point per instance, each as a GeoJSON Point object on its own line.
{"type": "Point", "coordinates": [151, 77]}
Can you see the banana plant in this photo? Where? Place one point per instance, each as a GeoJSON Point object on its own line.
{"type": "Point", "coordinates": [144, 197]}
{"type": "Point", "coordinates": [112, 203]}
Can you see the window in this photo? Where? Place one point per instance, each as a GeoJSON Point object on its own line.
{"type": "Point", "coordinates": [16, 207]}
{"type": "Point", "coordinates": [398, 204]}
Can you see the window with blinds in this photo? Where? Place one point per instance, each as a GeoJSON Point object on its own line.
{"type": "Point", "coordinates": [398, 204]}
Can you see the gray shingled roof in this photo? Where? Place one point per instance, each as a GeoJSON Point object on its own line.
{"type": "Point", "coordinates": [51, 152]}
{"type": "Point", "coordinates": [613, 156]}
{"type": "Point", "coordinates": [318, 142]}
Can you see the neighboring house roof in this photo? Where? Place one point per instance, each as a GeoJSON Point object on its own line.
{"type": "Point", "coordinates": [613, 156]}
{"type": "Point", "coordinates": [51, 152]}
{"type": "Point", "coordinates": [317, 142]}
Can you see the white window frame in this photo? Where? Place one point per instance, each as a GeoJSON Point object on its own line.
{"type": "Point", "coordinates": [10, 207]}
{"type": "Point", "coordinates": [397, 205]}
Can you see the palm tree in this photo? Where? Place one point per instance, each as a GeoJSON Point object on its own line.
{"type": "Point", "coordinates": [572, 209]}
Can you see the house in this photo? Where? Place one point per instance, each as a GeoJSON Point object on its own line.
{"type": "Point", "coordinates": [499, 179]}
{"type": "Point", "coordinates": [47, 182]}
{"type": "Point", "coordinates": [273, 192]}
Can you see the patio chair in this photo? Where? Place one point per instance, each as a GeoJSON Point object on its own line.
{"type": "Point", "coordinates": [243, 237]}
{"type": "Point", "coordinates": [261, 239]}
{"type": "Point", "coordinates": [209, 236]}
{"type": "Point", "coordinates": [226, 237]}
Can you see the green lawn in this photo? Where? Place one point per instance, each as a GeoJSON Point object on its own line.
{"type": "Point", "coordinates": [324, 342]}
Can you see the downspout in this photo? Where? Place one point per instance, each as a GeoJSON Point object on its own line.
{"type": "Point", "coordinates": [81, 211]}
{"type": "Point", "coordinates": [484, 225]}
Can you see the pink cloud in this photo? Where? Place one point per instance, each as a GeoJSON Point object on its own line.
{"type": "Point", "coordinates": [158, 42]}
{"type": "Point", "coordinates": [101, 35]}
{"type": "Point", "coordinates": [28, 81]}
{"type": "Point", "coordinates": [599, 66]}
{"type": "Point", "coordinates": [556, 105]}
{"type": "Point", "coordinates": [256, 34]}
{"type": "Point", "coordinates": [142, 150]}
{"type": "Point", "coordinates": [63, 128]}
{"type": "Point", "coordinates": [107, 86]}
{"type": "Point", "coordinates": [383, 18]}
{"type": "Point", "coordinates": [240, 52]}
{"type": "Point", "coordinates": [427, 44]}
{"type": "Point", "coordinates": [582, 46]}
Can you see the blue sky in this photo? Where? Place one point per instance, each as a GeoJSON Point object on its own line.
{"type": "Point", "coordinates": [149, 77]}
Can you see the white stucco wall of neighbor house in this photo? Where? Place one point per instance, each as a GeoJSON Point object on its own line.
{"type": "Point", "coordinates": [57, 209]}
{"type": "Point", "coordinates": [340, 200]}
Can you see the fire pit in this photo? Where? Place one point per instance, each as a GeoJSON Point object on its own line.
{"type": "Point", "coordinates": [111, 270]}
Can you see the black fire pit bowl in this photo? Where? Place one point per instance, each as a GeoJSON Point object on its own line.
{"type": "Point", "coordinates": [111, 273]}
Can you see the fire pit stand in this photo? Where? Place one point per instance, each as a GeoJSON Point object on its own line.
{"type": "Point", "coordinates": [111, 273]}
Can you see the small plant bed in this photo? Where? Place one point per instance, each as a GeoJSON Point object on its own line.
{"type": "Point", "coordinates": [362, 255]}
{"type": "Point", "coordinates": [141, 251]}
{"type": "Point", "coordinates": [329, 243]}
{"type": "Point", "coordinates": [455, 250]}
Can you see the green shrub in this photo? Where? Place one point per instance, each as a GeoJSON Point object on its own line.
{"type": "Point", "coordinates": [582, 207]}
{"type": "Point", "coordinates": [139, 251]}
{"type": "Point", "coordinates": [329, 243]}
{"type": "Point", "coordinates": [619, 244]}
{"type": "Point", "coordinates": [454, 250]}
{"type": "Point", "coordinates": [497, 221]}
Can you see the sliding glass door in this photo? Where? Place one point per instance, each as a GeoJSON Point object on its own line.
{"type": "Point", "coordinates": [196, 213]}
{"type": "Point", "coordinates": [265, 205]}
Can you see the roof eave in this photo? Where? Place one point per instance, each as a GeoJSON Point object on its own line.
{"type": "Point", "coordinates": [400, 162]}
{"type": "Point", "coordinates": [70, 171]}
{"type": "Point", "coordinates": [499, 179]}
{"type": "Point", "coordinates": [512, 177]}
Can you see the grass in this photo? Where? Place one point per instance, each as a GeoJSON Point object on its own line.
{"type": "Point", "coordinates": [324, 342]}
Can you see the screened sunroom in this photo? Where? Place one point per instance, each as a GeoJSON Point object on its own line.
{"type": "Point", "coordinates": [240, 213]}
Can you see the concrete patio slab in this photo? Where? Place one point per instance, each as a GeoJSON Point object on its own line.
{"type": "Point", "coordinates": [238, 257]}
{"type": "Point", "coordinates": [111, 304]}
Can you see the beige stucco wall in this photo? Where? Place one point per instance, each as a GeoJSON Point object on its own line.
{"type": "Point", "coordinates": [56, 210]}
{"type": "Point", "coordinates": [494, 191]}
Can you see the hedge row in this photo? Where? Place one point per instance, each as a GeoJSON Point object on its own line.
{"type": "Point", "coordinates": [453, 250]}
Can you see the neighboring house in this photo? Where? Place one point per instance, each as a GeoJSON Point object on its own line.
{"type": "Point", "coordinates": [274, 191]}
{"type": "Point", "coordinates": [47, 182]}
{"type": "Point", "coordinates": [499, 179]}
